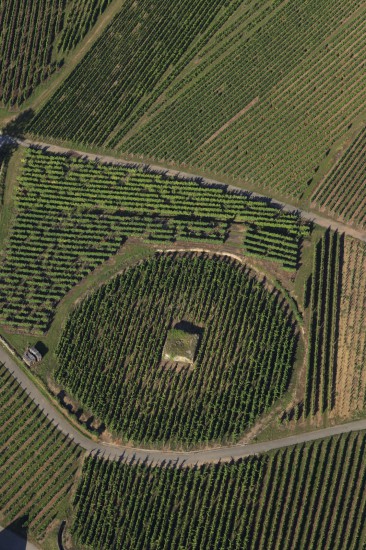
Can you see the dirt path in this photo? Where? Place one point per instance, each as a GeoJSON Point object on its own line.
{"type": "Point", "coordinates": [189, 458]}
{"type": "Point", "coordinates": [311, 216]}
{"type": "Point", "coordinates": [229, 122]}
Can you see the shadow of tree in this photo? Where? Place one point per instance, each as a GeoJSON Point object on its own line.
{"type": "Point", "coordinates": [14, 536]}
{"type": "Point", "coordinates": [17, 126]}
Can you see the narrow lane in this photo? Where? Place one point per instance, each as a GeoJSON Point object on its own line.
{"type": "Point", "coordinates": [188, 458]}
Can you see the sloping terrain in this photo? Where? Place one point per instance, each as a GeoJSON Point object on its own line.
{"type": "Point", "coordinates": [32, 32]}
{"type": "Point", "coordinates": [38, 463]}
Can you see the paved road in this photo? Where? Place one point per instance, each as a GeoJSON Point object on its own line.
{"type": "Point", "coordinates": [311, 216]}
{"type": "Point", "coordinates": [162, 457]}
{"type": "Point", "coordinates": [11, 541]}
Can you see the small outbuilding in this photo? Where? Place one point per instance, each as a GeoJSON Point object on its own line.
{"type": "Point", "coordinates": [32, 356]}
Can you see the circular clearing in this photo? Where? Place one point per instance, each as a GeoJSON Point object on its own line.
{"type": "Point", "coordinates": [183, 349]}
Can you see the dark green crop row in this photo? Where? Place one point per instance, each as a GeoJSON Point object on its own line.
{"type": "Point", "coordinates": [128, 61]}
{"type": "Point", "coordinates": [325, 295]}
{"type": "Point", "coordinates": [311, 496]}
{"type": "Point", "coordinates": [111, 351]}
{"type": "Point", "coordinates": [277, 143]}
{"type": "Point", "coordinates": [29, 30]}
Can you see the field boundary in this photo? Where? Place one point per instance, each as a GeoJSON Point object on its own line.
{"type": "Point", "coordinates": [161, 457]}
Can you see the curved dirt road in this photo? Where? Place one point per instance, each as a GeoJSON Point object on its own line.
{"type": "Point", "coordinates": [311, 216]}
{"type": "Point", "coordinates": [163, 457]}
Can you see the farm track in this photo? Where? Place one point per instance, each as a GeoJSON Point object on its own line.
{"type": "Point", "coordinates": [187, 458]}
{"type": "Point", "coordinates": [307, 215]}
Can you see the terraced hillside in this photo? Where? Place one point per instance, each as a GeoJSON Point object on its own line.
{"type": "Point", "coordinates": [261, 84]}
{"type": "Point", "coordinates": [37, 465]}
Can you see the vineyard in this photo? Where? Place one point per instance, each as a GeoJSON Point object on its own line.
{"type": "Point", "coordinates": [110, 353]}
{"type": "Point", "coordinates": [325, 288]}
{"type": "Point", "coordinates": [240, 108]}
{"type": "Point", "coordinates": [82, 15]}
{"type": "Point", "coordinates": [181, 327]}
{"type": "Point", "coordinates": [29, 30]}
{"type": "Point", "coordinates": [343, 193]}
{"type": "Point", "coordinates": [37, 462]}
{"type": "Point", "coordinates": [126, 64]}
{"type": "Point", "coordinates": [72, 215]}
{"type": "Point", "coordinates": [311, 496]}
{"type": "Point", "coordinates": [5, 155]}
{"type": "Point", "coordinates": [351, 382]}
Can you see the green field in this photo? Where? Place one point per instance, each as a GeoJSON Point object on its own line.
{"type": "Point", "coordinates": [111, 353]}
{"type": "Point", "coordinates": [248, 78]}
{"type": "Point", "coordinates": [304, 496]}
{"type": "Point", "coordinates": [29, 58]}
{"type": "Point", "coordinates": [343, 193]}
{"type": "Point", "coordinates": [182, 236]}
{"type": "Point", "coordinates": [308, 496]}
{"type": "Point", "coordinates": [37, 465]}
{"type": "Point", "coordinates": [128, 61]}
{"type": "Point", "coordinates": [72, 215]}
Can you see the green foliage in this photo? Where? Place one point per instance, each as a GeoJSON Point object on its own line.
{"type": "Point", "coordinates": [343, 193]}
{"type": "Point", "coordinates": [142, 43]}
{"type": "Point", "coordinates": [81, 16]}
{"type": "Point", "coordinates": [28, 32]}
{"type": "Point", "coordinates": [277, 239]}
{"type": "Point", "coordinates": [37, 462]}
{"type": "Point", "coordinates": [110, 351]}
{"type": "Point", "coordinates": [26, 54]}
{"type": "Point", "coordinates": [323, 324]}
{"type": "Point", "coordinates": [72, 215]}
{"type": "Point", "coordinates": [294, 57]}
{"type": "Point", "coordinates": [301, 497]}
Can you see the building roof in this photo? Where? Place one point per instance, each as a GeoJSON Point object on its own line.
{"type": "Point", "coordinates": [35, 352]}
{"type": "Point", "coordinates": [29, 358]}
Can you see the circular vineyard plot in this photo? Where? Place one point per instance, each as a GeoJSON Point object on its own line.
{"type": "Point", "coordinates": [179, 349]}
